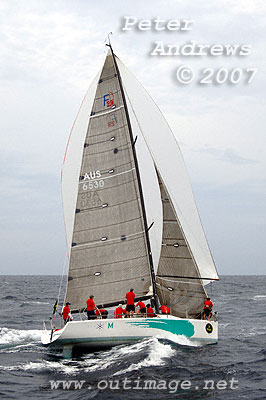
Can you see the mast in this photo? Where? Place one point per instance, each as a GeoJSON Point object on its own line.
{"type": "Point", "coordinates": [146, 228]}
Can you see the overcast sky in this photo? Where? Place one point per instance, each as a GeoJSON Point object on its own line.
{"type": "Point", "coordinates": [51, 50]}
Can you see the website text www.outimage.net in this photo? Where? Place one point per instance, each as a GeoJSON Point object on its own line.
{"type": "Point", "coordinates": [171, 386]}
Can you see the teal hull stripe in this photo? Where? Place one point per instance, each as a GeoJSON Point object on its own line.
{"type": "Point", "coordinates": [179, 327]}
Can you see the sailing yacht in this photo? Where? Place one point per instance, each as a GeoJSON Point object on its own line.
{"type": "Point", "coordinates": [131, 220]}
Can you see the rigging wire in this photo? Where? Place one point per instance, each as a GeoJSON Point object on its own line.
{"type": "Point", "coordinates": [60, 286]}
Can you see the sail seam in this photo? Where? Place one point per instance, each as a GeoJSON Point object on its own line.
{"type": "Point", "coordinates": [110, 282]}
{"type": "Point", "coordinates": [107, 226]}
{"type": "Point", "coordinates": [104, 133]}
{"type": "Point", "coordinates": [106, 241]}
{"type": "Point", "coordinates": [111, 205]}
{"type": "Point", "coordinates": [177, 258]}
{"type": "Point", "coordinates": [122, 147]}
{"type": "Point", "coordinates": [106, 112]}
{"type": "Point", "coordinates": [107, 78]}
{"type": "Point", "coordinates": [107, 177]}
{"type": "Point", "coordinates": [171, 280]}
{"type": "Point", "coordinates": [112, 166]}
{"type": "Point", "coordinates": [110, 263]}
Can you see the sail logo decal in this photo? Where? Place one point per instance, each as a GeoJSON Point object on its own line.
{"type": "Point", "coordinates": [177, 327]}
{"type": "Point", "coordinates": [92, 180]}
{"type": "Point", "coordinates": [111, 120]}
{"type": "Point", "coordinates": [100, 326]}
{"type": "Point", "coordinates": [108, 100]}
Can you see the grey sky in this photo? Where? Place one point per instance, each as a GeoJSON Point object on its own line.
{"type": "Point", "coordinates": [51, 50]}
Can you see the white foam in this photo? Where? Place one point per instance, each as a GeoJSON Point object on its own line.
{"type": "Point", "coordinates": [43, 365]}
{"type": "Point", "coordinates": [25, 348]}
{"type": "Point", "coordinates": [180, 339]}
{"type": "Point", "coordinates": [15, 336]}
{"type": "Point", "coordinates": [259, 297]}
{"type": "Point", "coordinates": [158, 353]}
{"type": "Point", "coordinates": [111, 357]}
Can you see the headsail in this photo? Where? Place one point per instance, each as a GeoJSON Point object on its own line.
{"type": "Point", "coordinates": [170, 165]}
{"type": "Point", "coordinates": [108, 248]}
{"type": "Point", "coordinates": [178, 279]}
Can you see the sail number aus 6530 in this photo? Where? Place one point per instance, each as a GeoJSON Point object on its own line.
{"type": "Point", "coordinates": [93, 185]}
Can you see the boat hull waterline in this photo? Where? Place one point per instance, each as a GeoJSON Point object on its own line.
{"type": "Point", "coordinates": [110, 332]}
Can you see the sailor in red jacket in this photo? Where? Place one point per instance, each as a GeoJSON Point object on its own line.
{"type": "Point", "coordinates": [130, 308]}
{"type": "Point", "coordinates": [91, 307]}
{"type": "Point", "coordinates": [66, 313]}
{"type": "Point", "coordinates": [164, 309]}
{"type": "Point", "coordinates": [207, 312]}
{"type": "Point", "coordinates": [150, 312]}
{"type": "Point", "coordinates": [119, 311]}
{"type": "Point", "coordinates": [142, 307]}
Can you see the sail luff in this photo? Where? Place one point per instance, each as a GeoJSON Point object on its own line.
{"type": "Point", "coordinates": [133, 140]}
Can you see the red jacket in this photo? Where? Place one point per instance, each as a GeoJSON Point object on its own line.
{"type": "Point", "coordinates": [150, 312]}
{"type": "Point", "coordinates": [118, 312]}
{"type": "Point", "coordinates": [90, 305]}
{"type": "Point", "coordinates": [165, 309]}
{"type": "Point", "coordinates": [66, 311]}
{"type": "Point", "coordinates": [141, 305]}
{"type": "Point", "coordinates": [208, 304]}
{"type": "Point", "coordinates": [130, 296]}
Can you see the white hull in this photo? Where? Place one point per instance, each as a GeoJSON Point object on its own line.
{"type": "Point", "coordinates": [110, 332]}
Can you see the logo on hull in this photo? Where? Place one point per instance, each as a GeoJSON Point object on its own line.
{"type": "Point", "coordinates": [209, 328]}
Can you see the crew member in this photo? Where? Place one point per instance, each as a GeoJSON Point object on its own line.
{"type": "Point", "coordinates": [207, 311]}
{"type": "Point", "coordinates": [91, 307]}
{"type": "Point", "coordinates": [130, 308]}
{"type": "Point", "coordinates": [142, 307]}
{"type": "Point", "coordinates": [119, 311]}
{"type": "Point", "coordinates": [150, 312]}
{"type": "Point", "coordinates": [66, 313]}
{"type": "Point", "coordinates": [164, 309]}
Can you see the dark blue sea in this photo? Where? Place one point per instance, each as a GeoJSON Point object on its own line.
{"type": "Point", "coordinates": [235, 368]}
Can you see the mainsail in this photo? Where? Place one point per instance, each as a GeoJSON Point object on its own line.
{"type": "Point", "coordinates": [109, 251]}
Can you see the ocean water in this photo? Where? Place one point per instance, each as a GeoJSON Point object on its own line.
{"type": "Point", "coordinates": [235, 368]}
